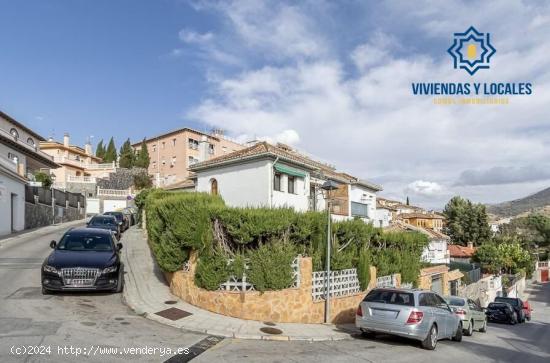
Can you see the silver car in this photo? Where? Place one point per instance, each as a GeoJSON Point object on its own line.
{"type": "Point", "coordinates": [416, 314]}
{"type": "Point", "coordinates": [472, 315]}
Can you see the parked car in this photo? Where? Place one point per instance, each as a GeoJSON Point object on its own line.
{"type": "Point", "coordinates": [501, 312]}
{"type": "Point", "coordinates": [415, 314]}
{"type": "Point", "coordinates": [105, 222]}
{"type": "Point", "coordinates": [516, 304]}
{"type": "Point", "coordinates": [472, 315]}
{"type": "Point", "coordinates": [527, 309]}
{"type": "Point", "coordinates": [84, 259]}
{"type": "Point", "coordinates": [128, 213]}
{"type": "Point", "coordinates": [121, 219]}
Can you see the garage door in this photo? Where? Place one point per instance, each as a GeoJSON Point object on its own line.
{"type": "Point", "coordinates": [92, 206]}
{"type": "Point", "coordinates": [437, 285]}
{"type": "Point", "coordinates": [112, 205]}
{"type": "Point", "coordinates": [544, 275]}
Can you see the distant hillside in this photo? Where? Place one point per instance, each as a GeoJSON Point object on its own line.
{"type": "Point", "coordinates": [538, 202]}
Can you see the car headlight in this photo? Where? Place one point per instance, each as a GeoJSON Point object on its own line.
{"type": "Point", "coordinates": [110, 269]}
{"type": "Point", "coordinates": [48, 268]}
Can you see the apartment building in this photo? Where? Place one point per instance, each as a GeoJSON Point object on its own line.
{"type": "Point", "coordinates": [20, 158]}
{"type": "Point", "coordinates": [173, 152]}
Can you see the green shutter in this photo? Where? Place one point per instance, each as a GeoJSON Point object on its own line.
{"type": "Point", "coordinates": [289, 171]}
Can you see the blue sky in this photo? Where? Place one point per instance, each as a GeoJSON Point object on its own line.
{"type": "Point", "coordinates": [330, 78]}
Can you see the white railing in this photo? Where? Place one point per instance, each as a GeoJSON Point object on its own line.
{"type": "Point", "coordinates": [81, 179]}
{"type": "Point", "coordinates": [114, 192]}
{"type": "Point", "coordinates": [103, 166]}
{"type": "Point", "coordinates": [241, 284]}
{"type": "Point", "coordinates": [386, 281]}
{"type": "Point", "coordinates": [8, 163]}
{"type": "Point", "coordinates": [342, 283]}
{"type": "Point", "coordinates": [543, 264]}
{"type": "Point", "coordinates": [83, 164]}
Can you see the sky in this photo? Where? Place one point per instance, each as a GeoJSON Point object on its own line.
{"type": "Point", "coordinates": [330, 78]}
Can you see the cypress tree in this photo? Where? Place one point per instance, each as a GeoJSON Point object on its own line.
{"type": "Point", "coordinates": [110, 153]}
{"type": "Point", "coordinates": [100, 150]}
{"type": "Point", "coordinates": [127, 157]}
{"type": "Point", "coordinates": [408, 200]}
{"type": "Point", "coordinates": [143, 160]}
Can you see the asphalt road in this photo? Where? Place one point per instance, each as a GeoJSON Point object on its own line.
{"type": "Point", "coordinates": [84, 322]}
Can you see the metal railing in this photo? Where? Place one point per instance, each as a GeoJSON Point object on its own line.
{"type": "Point", "coordinates": [81, 179]}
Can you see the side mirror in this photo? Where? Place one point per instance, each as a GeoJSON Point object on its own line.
{"type": "Point", "coordinates": [119, 246]}
{"type": "Point", "coordinates": [53, 244]}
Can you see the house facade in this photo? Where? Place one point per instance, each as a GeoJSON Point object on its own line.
{"type": "Point", "coordinates": [424, 219]}
{"type": "Point", "coordinates": [172, 153]}
{"type": "Point", "coordinates": [20, 159]}
{"type": "Point", "coordinates": [265, 175]}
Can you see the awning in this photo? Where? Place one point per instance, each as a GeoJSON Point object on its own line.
{"type": "Point", "coordinates": [289, 171]}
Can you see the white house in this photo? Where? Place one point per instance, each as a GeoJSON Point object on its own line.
{"type": "Point", "coordinates": [265, 175]}
{"type": "Point", "coordinates": [20, 158]}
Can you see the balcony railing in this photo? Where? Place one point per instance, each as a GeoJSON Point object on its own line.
{"type": "Point", "coordinates": [113, 192]}
{"type": "Point", "coordinates": [9, 164]}
{"type": "Point", "coordinates": [84, 165]}
{"type": "Point", "coordinates": [80, 179]}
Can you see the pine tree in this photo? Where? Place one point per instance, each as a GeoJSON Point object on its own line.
{"type": "Point", "coordinates": [127, 157]}
{"type": "Point", "coordinates": [100, 150]}
{"type": "Point", "coordinates": [408, 200]}
{"type": "Point", "coordinates": [110, 153]}
{"type": "Point", "coordinates": [143, 160]}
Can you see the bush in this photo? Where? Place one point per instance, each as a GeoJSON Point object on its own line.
{"type": "Point", "coordinates": [212, 270]}
{"type": "Point", "coordinates": [270, 266]}
{"type": "Point", "coordinates": [363, 268]}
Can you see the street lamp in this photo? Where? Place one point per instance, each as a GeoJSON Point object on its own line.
{"type": "Point", "coordinates": [328, 186]}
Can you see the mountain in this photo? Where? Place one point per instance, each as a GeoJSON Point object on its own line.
{"type": "Point", "coordinates": [538, 202]}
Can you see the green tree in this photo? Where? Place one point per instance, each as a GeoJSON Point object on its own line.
{"type": "Point", "coordinates": [127, 156]}
{"type": "Point", "coordinates": [45, 178]}
{"type": "Point", "coordinates": [100, 150]}
{"type": "Point", "coordinates": [110, 153]}
{"type": "Point", "coordinates": [142, 160]}
{"type": "Point", "coordinates": [504, 254]}
{"type": "Point", "coordinates": [466, 221]}
{"type": "Point", "coordinates": [142, 181]}
{"type": "Point", "coordinates": [408, 200]}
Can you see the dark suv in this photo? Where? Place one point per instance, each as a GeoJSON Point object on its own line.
{"type": "Point", "coordinates": [121, 219]}
{"type": "Point", "coordinates": [105, 222]}
{"type": "Point", "coordinates": [84, 259]}
{"type": "Point", "coordinates": [517, 305]}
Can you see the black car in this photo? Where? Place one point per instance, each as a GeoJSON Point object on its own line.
{"type": "Point", "coordinates": [84, 259]}
{"type": "Point", "coordinates": [121, 219]}
{"type": "Point", "coordinates": [105, 222]}
{"type": "Point", "coordinates": [517, 305]}
{"type": "Point", "coordinates": [501, 312]}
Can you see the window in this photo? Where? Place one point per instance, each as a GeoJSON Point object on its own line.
{"type": "Point", "coordinates": [277, 182]}
{"type": "Point", "coordinates": [30, 141]}
{"type": "Point", "coordinates": [173, 161]}
{"type": "Point", "coordinates": [291, 184]}
{"type": "Point", "coordinates": [211, 149]}
{"type": "Point", "coordinates": [213, 187]}
{"type": "Point", "coordinates": [154, 164]}
{"type": "Point", "coordinates": [154, 148]}
{"type": "Point", "coordinates": [193, 144]}
{"type": "Point", "coordinates": [163, 144]}
{"type": "Point", "coordinates": [13, 158]}
{"type": "Point", "coordinates": [359, 210]}
{"type": "Point", "coordinates": [193, 160]}
{"type": "Point", "coordinates": [14, 133]}
{"type": "Point", "coordinates": [174, 142]}
{"type": "Point", "coordinates": [390, 297]}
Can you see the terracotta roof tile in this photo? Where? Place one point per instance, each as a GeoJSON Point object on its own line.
{"type": "Point", "coordinates": [461, 251]}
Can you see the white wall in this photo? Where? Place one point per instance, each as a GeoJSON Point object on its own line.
{"type": "Point", "coordinates": [436, 252]}
{"type": "Point", "coordinates": [9, 185]}
{"type": "Point", "coordinates": [299, 200]}
{"type": "Point", "coordinates": [364, 195]}
{"type": "Point", "coordinates": [5, 150]}
{"type": "Point", "coordinates": [240, 185]}
{"type": "Point", "coordinates": [382, 217]}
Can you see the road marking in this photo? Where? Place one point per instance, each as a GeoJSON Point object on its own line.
{"type": "Point", "coordinates": [196, 349]}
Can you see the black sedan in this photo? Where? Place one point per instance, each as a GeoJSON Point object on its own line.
{"type": "Point", "coordinates": [121, 219]}
{"type": "Point", "coordinates": [516, 304]}
{"type": "Point", "coordinates": [84, 259]}
{"type": "Point", "coordinates": [105, 222]}
{"type": "Point", "coordinates": [501, 312]}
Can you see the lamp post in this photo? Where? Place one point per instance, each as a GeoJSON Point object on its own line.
{"type": "Point", "coordinates": [328, 186]}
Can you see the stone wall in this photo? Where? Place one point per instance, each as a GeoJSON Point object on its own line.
{"type": "Point", "coordinates": [293, 305]}
{"type": "Point", "coordinates": [40, 215]}
{"type": "Point", "coordinates": [121, 179]}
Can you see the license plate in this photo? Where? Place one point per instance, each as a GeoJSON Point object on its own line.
{"type": "Point", "coordinates": [388, 314]}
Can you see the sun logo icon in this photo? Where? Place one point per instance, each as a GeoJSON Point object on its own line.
{"type": "Point", "coordinates": [471, 50]}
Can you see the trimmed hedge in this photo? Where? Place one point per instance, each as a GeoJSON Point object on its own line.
{"type": "Point", "coordinates": [269, 239]}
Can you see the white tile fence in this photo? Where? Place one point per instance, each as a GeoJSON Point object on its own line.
{"type": "Point", "coordinates": [386, 281]}
{"type": "Point", "coordinates": [342, 283]}
{"type": "Point", "coordinates": [240, 284]}
{"type": "Point", "coordinates": [113, 192]}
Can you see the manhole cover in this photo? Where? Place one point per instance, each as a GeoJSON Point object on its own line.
{"type": "Point", "coordinates": [269, 323]}
{"type": "Point", "coordinates": [173, 314]}
{"type": "Point", "coordinates": [273, 331]}
{"type": "Point", "coordinates": [170, 302]}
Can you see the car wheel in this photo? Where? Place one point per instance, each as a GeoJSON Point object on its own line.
{"type": "Point", "coordinates": [468, 332]}
{"type": "Point", "coordinates": [458, 334]}
{"type": "Point", "coordinates": [46, 291]}
{"type": "Point", "coordinates": [528, 318]}
{"type": "Point", "coordinates": [120, 283]}
{"type": "Point", "coordinates": [431, 339]}
{"type": "Point", "coordinates": [513, 320]}
{"type": "Point", "coordinates": [484, 327]}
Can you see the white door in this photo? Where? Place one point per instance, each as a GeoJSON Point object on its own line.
{"type": "Point", "coordinates": [92, 206]}
{"type": "Point", "coordinates": [112, 205]}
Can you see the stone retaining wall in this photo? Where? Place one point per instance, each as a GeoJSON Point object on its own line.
{"type": "Point", "coordinates": [293, 305]}
{"type": "Point", "coordinates": [40, 215]}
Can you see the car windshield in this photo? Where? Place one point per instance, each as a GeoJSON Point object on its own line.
{"type": "Point", "coordinates": [118, 215]}
{"type": "Point", "coordinates": [455, 301]}
{"type": "Point", "coordinates": [390, 297]}
{"type": "Point", "coordinates": [100, 221]}
{"type": "Point", "coordinates": [85, 242]}
{"type": "Point", "coordinates": [513, 302]}
{"type": "Point", "coordinates": [496, 306]}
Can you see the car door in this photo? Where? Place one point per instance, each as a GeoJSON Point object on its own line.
{"type": "Point", "coordinates": [445, 316]}
{"type": "Point", "coordinates": [479, 314]}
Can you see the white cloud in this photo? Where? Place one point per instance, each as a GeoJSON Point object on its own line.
{"type": "Point", "coordinates": [190, 36]}
{"type": "Point", "coordinates": [423, 187]}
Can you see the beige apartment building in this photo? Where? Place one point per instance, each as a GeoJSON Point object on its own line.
{"type": "Point", "coordinates": [173, 152]}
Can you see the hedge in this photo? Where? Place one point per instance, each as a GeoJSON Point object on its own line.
{"type": "Point", "coordinates": [268, 239]}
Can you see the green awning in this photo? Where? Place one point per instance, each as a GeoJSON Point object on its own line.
{"type": "Point", "coordinates": [289, 171]}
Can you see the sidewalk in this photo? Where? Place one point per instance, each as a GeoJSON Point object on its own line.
{"type": "Point", "coordinates": [146, 292]}
{"type": "Point", "coordinates": [39, 231]}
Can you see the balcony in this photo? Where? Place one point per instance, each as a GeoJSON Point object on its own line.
{"type": "Point", "coordinates": [114, 192]}
{"type": "Point", "coordinates": [83, 165]}
{"type": "Point", "coordinates": [81, 179]}
{"type": "Point", "coordinates": [8, 164]}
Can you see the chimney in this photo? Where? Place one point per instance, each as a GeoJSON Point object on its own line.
{"type": "Point", "coordinates": [88, 148]}
{"type": "Point", "coordinates": [66, 139]}
{"type": "Point", "coordinates": [470, 244]}
{"type": "Point", "coordinates": [203, 148]}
